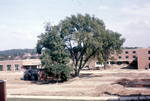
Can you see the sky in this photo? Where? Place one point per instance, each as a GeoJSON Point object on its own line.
{"type": "Point", "coordinates": [21, 21]}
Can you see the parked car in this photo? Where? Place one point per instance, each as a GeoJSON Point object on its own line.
{"type": "Point", "coordinates": [31, 74]}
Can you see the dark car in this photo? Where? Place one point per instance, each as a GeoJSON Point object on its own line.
{"type": "Point", "coordinates": [31, 74]}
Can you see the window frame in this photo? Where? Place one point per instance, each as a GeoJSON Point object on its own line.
{"type": "Point", "coordinates": [149, 52]}
{"type": "Point", "coordinates": [7, 67]}
{"type": "Point", "coordinates": [15, 67]}
{"type": "Point", "coordinates": [119, 57]}
{"type": "Point", "coordinates": [127, 62]}
{"type": "Point", "coordinates": [134, 52]}
{"type": "Point", "coordinates": [133, 56]}
{"type": "Point", "coordinates": [119, 62]}
{"type": "Point", "coordinates": [126, 52]}
{"type": "Point", "coordinates": [127, 57]}
{"type": "Point", "coordinates": [2, 67]}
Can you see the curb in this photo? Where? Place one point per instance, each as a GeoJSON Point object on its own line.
{"type": "Point", "coordinates": [80, 97]}
{"type": "Point", "coordinates": [63, 97]}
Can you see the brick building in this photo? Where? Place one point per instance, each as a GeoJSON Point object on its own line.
{"type": "Point", "coordinates": [135, 58]}
{"type": "Point", "coordinates": [19, 65]}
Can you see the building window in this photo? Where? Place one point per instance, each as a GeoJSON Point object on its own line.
{"type": "Point", "coordinates": [134, 57]}
{"type": "Point", "coordinates": [119, 62]}
{"type": "Point", "coordinates": [17, 67]}
{"type": "Point", "coordinates": [1, 67]}
{"type": "Point", "coordinates": [149, 58]}
{"type": "Point", "coordinates": [127, 62]}
{"type": "Point", "coordinates": [112, 62]}
{"type": "Point", "coordinates": [119, 57]}
{"type": "Point", "coordinates": [127, 57]}
{"type": "Point", "coordinates": [98, 63]}
{"type": "Point", "coordinates": [8, 67]}
{"type": "Point", "coordinates": [134, 52]}
{"type": "Point", "coordinates": [126, 52]}
{"type": "Point", "coordinates": [148, 52]}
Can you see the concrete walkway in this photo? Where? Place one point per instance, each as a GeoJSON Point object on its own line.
{"type": "Point", "coordinates": [63, 97]}
{"type": "Point", "coordinates": [79, 97]}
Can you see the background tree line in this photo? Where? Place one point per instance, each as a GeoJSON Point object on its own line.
{"type": "Point", "coordinates": [11, 54]}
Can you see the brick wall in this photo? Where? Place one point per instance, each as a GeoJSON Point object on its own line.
{"type": "Point", "coordinates": [3, 95]}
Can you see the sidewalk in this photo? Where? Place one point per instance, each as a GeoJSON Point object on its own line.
{"type": "Point", "coordinates": [64, 97]}
{"type": "Point", "coordinates": [79, 97]}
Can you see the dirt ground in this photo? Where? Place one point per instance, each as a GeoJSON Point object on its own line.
{"type": "Point", "coordinates": [89, 83]}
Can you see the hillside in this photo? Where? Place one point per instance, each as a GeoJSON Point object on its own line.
{"type": "Point", "coordinates": [15, 54]}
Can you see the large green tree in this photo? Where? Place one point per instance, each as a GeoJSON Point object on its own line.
{"type": "Point", "coordinates": [82, 36]}
{"type": "Point", "coordinates": [78, 33]}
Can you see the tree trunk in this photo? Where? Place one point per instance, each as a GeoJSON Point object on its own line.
{"type": "Point", "coordinates": [104, 66]}
{"type": "Point", "coordinates": [77, 72]}
{"type": "Point", "coordinates": [106, 55]}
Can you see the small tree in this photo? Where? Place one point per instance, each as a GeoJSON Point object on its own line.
{"type": "Point", "coordinates": [54, 58]}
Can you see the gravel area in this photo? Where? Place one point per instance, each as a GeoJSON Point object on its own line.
{"type": "Point", "coordinates": [94, 83]}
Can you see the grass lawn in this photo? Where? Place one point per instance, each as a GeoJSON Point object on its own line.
{"type": "Point", "coordinates": [28, 99]}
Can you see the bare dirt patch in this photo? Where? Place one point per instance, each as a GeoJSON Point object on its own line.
{"type": "Point", "coordinates": [134, 83]}
{"type": "Point", "coordinates": [87, 84]}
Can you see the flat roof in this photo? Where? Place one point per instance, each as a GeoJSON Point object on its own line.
{"type": "Point", "coordinates": [18, 60]}
{"type": "Point", "coordinates": [122, 60]}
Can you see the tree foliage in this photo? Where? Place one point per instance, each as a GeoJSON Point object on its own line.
{"type": "Point", "coordinates": [79, 33]}
{"type": "Point", "coordinates": [111, 43]}
{"type": "Point", "coordinates": [83, 37]}
{"type": "Point", "coordinates": [54, 58]}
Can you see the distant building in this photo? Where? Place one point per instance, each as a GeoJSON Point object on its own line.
{"type": "Point", "coordinates": [135, 58]}
{"type": "Point", "coordinates": [17, 58]}
{"type": "Point", "coordinates": [19, 65]}
{"type": "Point", "coordinates": [26, 55]}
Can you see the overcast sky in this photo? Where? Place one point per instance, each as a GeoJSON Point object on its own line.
{"type": "Point", "coordinates": [21, 21]}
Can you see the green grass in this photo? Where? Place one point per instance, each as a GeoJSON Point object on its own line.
{"type": "Point", "coordinates": [29, 99]}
